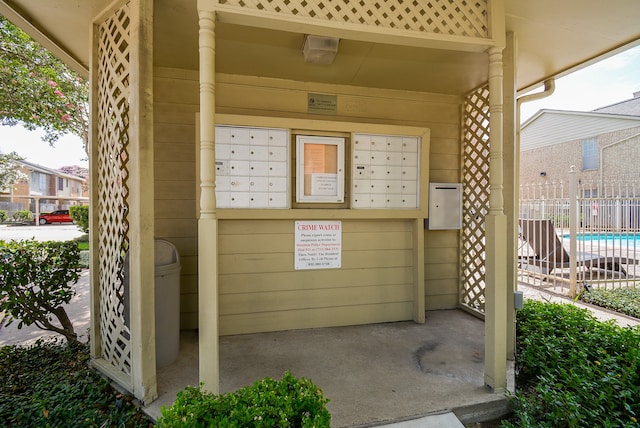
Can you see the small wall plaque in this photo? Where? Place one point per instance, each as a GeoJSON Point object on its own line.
{"type": "Point", "coordinates": [322, 104]}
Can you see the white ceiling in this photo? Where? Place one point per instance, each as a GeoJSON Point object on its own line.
{"type": "Point", "coordinates": [554, 37]}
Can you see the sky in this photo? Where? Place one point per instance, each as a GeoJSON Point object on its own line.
{"type": "Point", "coordinates": [66, 151]}
{"type": "Point", "coordinates": [607, 82]}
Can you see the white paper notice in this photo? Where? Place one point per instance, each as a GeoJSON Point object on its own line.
{"type": "Point", "coordinates": [318, 244]}
{"type": "Point", "coordinates": [324, 184]}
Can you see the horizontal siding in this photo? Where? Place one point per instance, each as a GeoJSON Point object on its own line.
{"type": "Point", "coordinates": [292, 280]}
{"type": "Point", "coordinates": [246, 244]}
{"type": "Point", "coordinates": [174, 188]}
{"type": "Point", "coordinates": [556, 127]}
{"type": "Point", "coordinates": [441, 272]}
{"type": "Point", "coordinates": [347, 297]}
{"type": "Point", "coordinates": [437, 303]}
{"type": "Point", "coordinates": [258, 282]}
{"type": "Point", "coordinates": [377, 255]}
{"type": "Point", "coordinates": [312, 318]}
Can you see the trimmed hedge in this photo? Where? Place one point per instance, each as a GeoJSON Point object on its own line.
{"type": "Point", "coordinates": [289, 402]}
{"type": "Point", "coordinates": [80, 216]}
{"type": "Point", "coordinates": [573, 370]}
{"type": "Point", "coordinates": [23, 215]}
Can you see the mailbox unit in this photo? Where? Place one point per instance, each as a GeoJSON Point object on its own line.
{"type": "Point", "coordinates": [445, 206]}
{"type": "Point", "coordinates": [252, 167]}
{"type": "Point", "coordinates": [385, 171]}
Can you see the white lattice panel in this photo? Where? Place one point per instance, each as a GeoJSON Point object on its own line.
{"type": "Point", "coordinates": [113, 187]}
{"type": "Point", "coordinates": [475, 200]}
{"type": "Point", "coordinates": [468, 18]}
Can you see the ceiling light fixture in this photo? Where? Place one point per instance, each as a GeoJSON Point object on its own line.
{"type": "Point", "coordinates": [320, 49]}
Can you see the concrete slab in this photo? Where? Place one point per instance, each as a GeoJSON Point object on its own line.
{"type": "Point", "coordinates": [443, 420]}
{"type": "Point", "coordinates": [373, 374]}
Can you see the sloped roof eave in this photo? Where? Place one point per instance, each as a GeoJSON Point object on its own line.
{"type": "Point", "coordinates": [594, 114]}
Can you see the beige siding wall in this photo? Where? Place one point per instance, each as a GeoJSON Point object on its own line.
{"type": "Point", "coordinates": [258, 284]}
{"type": "Point", "coordinates": [176, 95]}
{"type": "Point", "coordinates": [442, 248]}
{"type": "Point", "coordinates": [441, 273]}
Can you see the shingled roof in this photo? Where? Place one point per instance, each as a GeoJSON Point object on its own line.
{"type": "Point", "coordinates": [629, 107]}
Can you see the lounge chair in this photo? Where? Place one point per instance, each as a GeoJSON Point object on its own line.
{"type": "Point", "coordinates": [547, 252]}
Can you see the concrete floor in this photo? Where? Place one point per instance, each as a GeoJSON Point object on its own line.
{"type": "Point", "coordinates": [373, 374]}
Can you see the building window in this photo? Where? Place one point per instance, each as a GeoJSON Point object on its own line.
{"type": "Point", "coordinates": [38, 183]}
{"type": "Point", "coordinates": [60, 183]}
{"type": "Point", "coordinates": [590, 155]}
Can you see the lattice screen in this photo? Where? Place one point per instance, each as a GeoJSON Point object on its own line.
{"type": "Point", "coordinates": [475, 198]}
{"type": "Point", "coordinates": [468, 18]}
{"type": "Point", "coordinates": [113, 187]}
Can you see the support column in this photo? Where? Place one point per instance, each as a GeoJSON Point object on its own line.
{"type": "Point", "coordinates": [141, 222]}
{"type": "Point", "coordinates": [208, 358]}
{"type": "Point", "coordinates": [511, 186]}
{"type": "Point", "coordinates": [495, 372]}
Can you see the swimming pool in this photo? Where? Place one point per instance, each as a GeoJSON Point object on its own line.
{"type": "Point", "coordinates": [620, 238]}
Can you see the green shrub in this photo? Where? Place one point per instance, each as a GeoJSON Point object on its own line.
{"type": "Point", "coordinates": [51, 385]}
{"type": "Point", "coordinates": [624, 300]}
{"type": "Point", "coordinates": [23, 215]}
{"type": "Point", "coordinates": [36, 279]}
{"type": "Point", "coordinates": [80, 216]}
{"type": "Point", "coordinates": [289, 402]}
{"type": "Point", "coordinates": [4, 215]}
{"type": "Point", "coordinates": [573, 370]}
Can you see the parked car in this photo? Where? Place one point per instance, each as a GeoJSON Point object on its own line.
{"type": "Point", "coordinates": [60, 216]}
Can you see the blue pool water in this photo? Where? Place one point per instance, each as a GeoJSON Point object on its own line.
{"type": "Point", "coordinates": [622, 238]}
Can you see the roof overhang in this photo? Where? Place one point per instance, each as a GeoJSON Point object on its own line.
{"type": "Point", "coordinates": [554, 38]}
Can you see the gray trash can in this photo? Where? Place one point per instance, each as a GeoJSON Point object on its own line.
{"type": "Point", "coordinates": [167, 286]}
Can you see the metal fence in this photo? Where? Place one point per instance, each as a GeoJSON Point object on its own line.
{"type": "Point", "coordinates": [574, 235]}
{"type": "Point", "coordinates": [11, 207]}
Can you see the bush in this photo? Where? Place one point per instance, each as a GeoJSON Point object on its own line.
{"type": "Point", "coordinates": [36, 279]}
{"type": "Point", "coordinates": [289, 402]}
{"type": "Point", "coordinates": [573, 370]}
{"type": "Point", "coordinates": [80, 216]}
{"type": "Point", "coordinates": [4, 215]}
{"type": "Point", "coordinates": [624, 300]}
{"type": "Point", "coordinates": [23, 215]}
{"type": "Point", "coordinates": [51, 385]}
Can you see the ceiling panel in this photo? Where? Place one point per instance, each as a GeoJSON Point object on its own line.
{"type": "Point", "coordinates": [553, 37]}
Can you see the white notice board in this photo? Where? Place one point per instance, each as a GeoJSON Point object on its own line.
{"type": "Point", "coordinates": [318, 244]}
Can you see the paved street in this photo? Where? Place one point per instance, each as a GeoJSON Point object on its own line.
{"type": "Point", "coordinates": [47, 232]}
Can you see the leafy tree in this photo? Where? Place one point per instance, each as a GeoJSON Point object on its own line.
{"type": "Point", "coordinates": [39, 90]}
{"type": "Point", "coordinates": [10, 172]}
{"type": "Point", "coordinates": [76, 170]}
{"type": "Point", "coordinates": [36, 279]}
